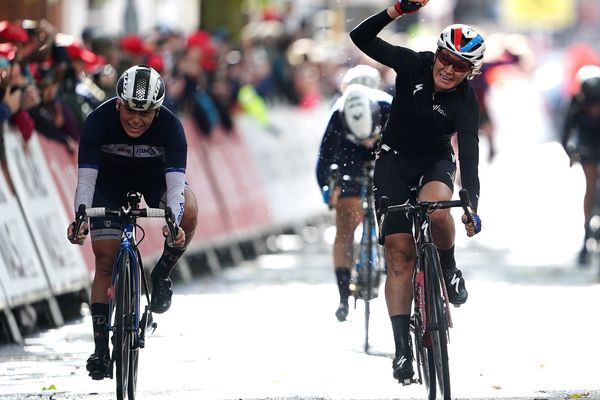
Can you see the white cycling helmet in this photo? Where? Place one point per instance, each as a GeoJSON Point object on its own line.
{"type": "Point", "coordinates": [463, 41]}
{"type": "Point", "coordinates": [362, 75]}
{"type": "Point", "coordinates": [361, 114]}
{"type": "Point", "coordinates": [141, 88]}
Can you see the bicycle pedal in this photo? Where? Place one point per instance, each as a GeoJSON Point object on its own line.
{"type": "Point", "coordinates": [153, 327]}
{"type": "Point", "coordinates": [407, 381]}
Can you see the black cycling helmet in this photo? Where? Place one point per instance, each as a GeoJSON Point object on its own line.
{"type": "Point", "coordinates": [590, 89]}
{"type": "Point", "coordinates": [141, 88]}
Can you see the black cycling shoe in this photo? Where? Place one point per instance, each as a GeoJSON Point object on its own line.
{"type": "Point", "coordinates": [98, 365]}
{"type": "Point", "coordinates": [342, 312]}
{"type": "Point", "coordinates": [402, 366]}
{"type": "Point", "coordinates": [160, 301]}
{"type": "Point", "coordinates": [455, 286]}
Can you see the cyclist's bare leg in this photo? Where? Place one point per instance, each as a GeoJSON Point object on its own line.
{"type": "Point", "coordinates": [104, 251]}
{"type": "Point", "coordinates": [348, 214]}
{"type": "Point", "coordinates": [590, 170]}
{"type": "Point", "coordinates": [400, 256]}
{"type": "Point", "coordinates": [443, 232]}
{"type": "Point", "coordinates": [160, 300]}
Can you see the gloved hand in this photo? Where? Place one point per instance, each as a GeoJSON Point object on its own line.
{"type": "Point", "coordinates": [325, 194]}
{"type": "Point", "coordinates": [408, 7]}
{"type": "Point", "coordinates": [475, 227]}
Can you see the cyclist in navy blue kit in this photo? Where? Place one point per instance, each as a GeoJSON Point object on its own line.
{"type": "Point", "coordinates": [432, 101]}
{"type": "Point", "coordinates": [132, 142]}
{"type": "Point", "coordinates": [349, 141]}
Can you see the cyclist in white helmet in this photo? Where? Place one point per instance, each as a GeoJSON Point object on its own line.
{"type": "Point", "coordinates": [349, 141]}
{"type": "Point", "coordinates": [363, 75]}
{"type": "Point", "coordinates": [131, 142]}
{"type": "Point", "coordinates": [433, 100]}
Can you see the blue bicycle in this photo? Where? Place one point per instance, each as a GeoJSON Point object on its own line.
{"type": "Point", "coordinates": [127, 324]}
{"type": "Point", "coordinates": [370, 259]}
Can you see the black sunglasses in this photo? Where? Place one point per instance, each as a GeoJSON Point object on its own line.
{"type": "Point", "coordinates": [459, 65]}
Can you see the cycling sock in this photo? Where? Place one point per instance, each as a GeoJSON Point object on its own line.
{"type": "Point", "coordinates": [400, 329]}
{"type": "Point", "coordinates": [447, 258]}
{"type": "Point", "coordinates": [99, 319]}
{"type": "Point", "coordinates": [167, 261]}
{"type": "Point", "coordinates": [343, 281]}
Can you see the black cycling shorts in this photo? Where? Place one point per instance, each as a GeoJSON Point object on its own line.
{"type": "Point", "coordinates": [394, 175]}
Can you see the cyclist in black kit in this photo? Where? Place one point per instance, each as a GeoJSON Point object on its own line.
{"type": "Point", "coordinates": [349, 141]}
{"type": "Point", "coordinates": [582, 126]}
{"type": "Point", "coordinates": [132, 142]}
{"type": "Point", "coordinates": [432, 101]}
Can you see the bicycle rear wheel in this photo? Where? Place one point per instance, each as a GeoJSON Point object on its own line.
{"type": "Point", "coordinates": [437, 325]}
{"type": "Point", "coordinates": [122, 323]}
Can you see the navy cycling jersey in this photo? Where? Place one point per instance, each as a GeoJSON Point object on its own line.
{"type": "Point", "coordinates": [158, 155]}
{"type": "Point", "coordinates": [339, 146]}
{"type": "Point", "coordinates": [422, 121]}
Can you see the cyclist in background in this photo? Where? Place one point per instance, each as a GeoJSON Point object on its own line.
{"type": "Point", "coordinates": [433, 100]}
{"type": "Point", "coordinates": [131, 142]}
{"type": "Point", "coordinates": [581, 141]}
{"type": "Point", "coordinates": [349, 141]}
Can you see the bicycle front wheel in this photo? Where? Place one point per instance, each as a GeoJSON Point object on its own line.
{"type": "Point", "coordinates": [135, 348]}
{"type": "Point", "coordinates": [437, 325]}
{"type": "Point", "coordinates": [122, 323]}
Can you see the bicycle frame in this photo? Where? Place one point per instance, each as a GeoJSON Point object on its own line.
{"type": "Point", "coordinates": [128, 244]}
{"type": "Point", "coordinates": [431, 317]}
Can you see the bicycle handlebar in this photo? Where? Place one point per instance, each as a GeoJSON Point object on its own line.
{"type": "Point", "coordinates": [84, 213]}
{"type": "Point", "coordinates": [424, 206]}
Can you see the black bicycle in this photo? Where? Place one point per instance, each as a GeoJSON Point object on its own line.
{"type": "Point", "coordinates": [431, 317]}
{"type": "Point", "coordinates": [126, 323]}
{"type": "Point", "coordinates": [370, 260]}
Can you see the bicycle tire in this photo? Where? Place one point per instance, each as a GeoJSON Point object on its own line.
{"type": "Point", "coordinates": [437, 325]}
{"type": "Point", "coordinates": [135, 350]}
{"type": "Point", "coordinates": [369, 262]}
{"type": "Point", "coordinates": [122, 321]}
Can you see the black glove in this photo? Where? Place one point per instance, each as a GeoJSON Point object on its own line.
{"type": "Point", "coordinates": [406, 7]}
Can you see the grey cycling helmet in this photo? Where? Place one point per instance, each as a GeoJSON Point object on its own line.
{"type": "Point", "coordinates": [363, 75]}
{"type": "Point", "coordinates": [141, 88]}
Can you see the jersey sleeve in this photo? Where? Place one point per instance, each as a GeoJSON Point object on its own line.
{"type": "Point", "coordinates": [175, 164]}
{"type": "Point", "coordinates": [327, 151]}
{"type": "Point", "coordinates": [468, 147]}
{"type": "Point", "coordinates": [365, 37]}
{"type": "Point", "coordinates": [90, 142]}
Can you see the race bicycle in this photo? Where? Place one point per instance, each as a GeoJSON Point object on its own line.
{"type": "Point", "coordinates": [370, 261]}
{"type": "Point", "coordinates": [127, 324]}
{"type": "Point", "coordinates": [431, 319]}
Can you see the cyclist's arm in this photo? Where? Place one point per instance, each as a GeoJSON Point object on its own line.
{"type": "Point", "coordinates": [365, 38]}
{"type": "Point", "coordinates": [175, 164]}
{"type": "Point", "coordinates": [468, 147]}
{"type": "Point", "coordinates": [326, 152]}
{"type": "Point", "coordinates": [88, 160]}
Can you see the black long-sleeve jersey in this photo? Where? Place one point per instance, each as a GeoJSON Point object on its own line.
{"type": "Point", "coordinates": [422, 121]}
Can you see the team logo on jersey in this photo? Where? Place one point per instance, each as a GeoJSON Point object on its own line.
{"type": "Point", "coordinates": [438, 108]}
{"type": "Point", "coordinates": [418, 86]}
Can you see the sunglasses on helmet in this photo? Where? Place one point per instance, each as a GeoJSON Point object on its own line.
{"type": "Point", "coordinates": [459, 65]}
